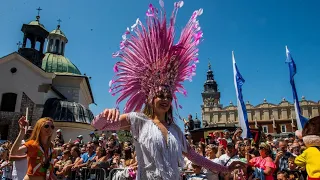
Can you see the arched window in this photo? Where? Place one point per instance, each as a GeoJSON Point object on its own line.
{"type": "Point", "coordinates": [62, 48]}
{"type": "Point", "coordinates": [28, 43]}
{"type": "Point", "coordinates": [8, 102]}
{"type": "Point", "coordinates": [38, 45]}
{"type": "Point", "coordinates": [57, 45]}
{"type": "Point", "coordinates": [50, 46]}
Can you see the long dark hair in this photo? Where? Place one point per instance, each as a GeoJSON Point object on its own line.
{"type": "Point", "coordinates": [127, 154]}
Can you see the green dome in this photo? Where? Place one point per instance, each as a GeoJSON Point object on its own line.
{"type": "Point", "coordinates": [55, 63]}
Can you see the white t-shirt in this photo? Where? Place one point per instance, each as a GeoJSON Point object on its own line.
{"type": "Point", "coordinates": [210, 174]}
{"type": "Point", "coordinates": [224, 158]}
{"type": "Point", "coordinates": [22, 166]}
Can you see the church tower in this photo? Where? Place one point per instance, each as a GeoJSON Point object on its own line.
{"type": "Point", "coordinates": [34, 38]}
{"type": "Point", "coordinates": [210, 94]}
{"type": "Point", "coordinates": [57, 41]}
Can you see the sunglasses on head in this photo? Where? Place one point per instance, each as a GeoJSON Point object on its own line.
{"type": "Point", "coordinates": [47, 126]}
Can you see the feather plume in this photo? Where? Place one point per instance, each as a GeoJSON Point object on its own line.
{"type": "Point", "coordinates": [150, 58]}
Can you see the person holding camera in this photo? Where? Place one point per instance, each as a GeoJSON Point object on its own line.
{"type": "Point", "coordinates": [282, 156]}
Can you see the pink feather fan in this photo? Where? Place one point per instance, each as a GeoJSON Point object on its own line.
{"type": "Point", "coordinates": [150, 58]}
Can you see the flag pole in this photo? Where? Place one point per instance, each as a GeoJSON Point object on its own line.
{"type": "Point", "coordinates": [301, 121]}
{"type": "Point", "coordinates": [241, 107]}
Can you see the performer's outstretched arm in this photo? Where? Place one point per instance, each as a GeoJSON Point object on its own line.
{"type": "Point", "coordinates": [110, 119]}
{"type": "Point", "coordinates": [207, 164]}
{"type": "Point", "coordinates": [196, 158]}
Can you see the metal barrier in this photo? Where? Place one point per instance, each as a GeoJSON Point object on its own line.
{"type": "Point", "coordinates": [113, 172]}
{"type": "Point", "coordinates": [94, 174]}
{"type": "Point", "coordinates": [88, 174]}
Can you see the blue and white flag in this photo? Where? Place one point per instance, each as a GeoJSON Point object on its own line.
{"type": "Point", "coordinates": [242, 111]}
{"type": "Point", "coordinates": [301, 121]}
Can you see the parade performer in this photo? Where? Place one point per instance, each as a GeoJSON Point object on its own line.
{"type": "Point", "coordinates": [151, 71]}
{"type": "Point", "coordinates": [310, 158]}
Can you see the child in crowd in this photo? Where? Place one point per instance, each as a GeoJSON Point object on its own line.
{"type": "Point", "coordinates": [197, 173]}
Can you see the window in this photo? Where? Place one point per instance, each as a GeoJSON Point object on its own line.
{"type": "Point", "coordinates": [283, 128]}
{"type": "Point", "coordinates": [8, 102]}
{"type": "Point", "coordinates": [38, 45]}
{"type": "Point", "coordinates": [56, 46]}
{"type": "Point", "coordinates": [62, 48]}
{"type": "Point", "coordinates": [265, 129]}
{"type": "Point", "coordinates": [50, 45]}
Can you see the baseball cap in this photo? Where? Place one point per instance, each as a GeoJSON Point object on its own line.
{"type": "Point", "coordinates": [230, 144]}
{"type": "Point", "coordinates": [80, 136]}
{"type": "Point", "coordinates": [59, 130]}
{"type": "Point", "coordinates": [91, 133]}
{"type": "Point", "coordinates": [101, 138]}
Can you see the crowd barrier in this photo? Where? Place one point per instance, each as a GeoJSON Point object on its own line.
{"type": "Point", "coordinates": [102, 174]}
{"type": "Point", "coordinates": [93, 174]}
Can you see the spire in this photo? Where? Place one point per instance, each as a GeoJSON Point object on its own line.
{"type": "Point", "coordinates": [210, 84]}
{"type": "Point", "coordinates": [19, 44]}
{"type": "Point", "coordinates": [59, 23]}
{"type": "Point", "coordinates": [210, 94]}
{"type": "Point", "coordinates": [38, 16]}
{"type": "Point", "coordinates": [209, 72]}
{"type": "Point", "coordinates": [39, 9]}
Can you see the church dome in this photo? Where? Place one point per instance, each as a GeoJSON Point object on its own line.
{"type": "Point", "coordinates": [36, 23]}
{"type": "Point", "coordinates": [66, 111]}
{"type": "Point", "coordinates": [55, 63]}
{"type": "Point", "coordinates": [57, 32]}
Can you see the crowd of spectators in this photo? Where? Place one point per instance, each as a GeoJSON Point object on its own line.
{"type": "Point", "coordinates": [269, 158]}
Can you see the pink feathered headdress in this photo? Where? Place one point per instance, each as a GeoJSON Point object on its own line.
{"type": "Point", "coordinates": [150, 59]}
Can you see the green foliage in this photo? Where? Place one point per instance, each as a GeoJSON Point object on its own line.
{"type": "Point", "coordinates": [124, 136]}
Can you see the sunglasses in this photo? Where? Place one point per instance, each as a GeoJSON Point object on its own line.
{"type": "Point", "coordinates": [162, 96]}
{"type": "Point", "coordinates": [261, 148]}
{"type": "Point", "coordinates": [47, 126]}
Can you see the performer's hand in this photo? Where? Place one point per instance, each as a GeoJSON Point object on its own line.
{"type": "Point", "coordinates": [111, 114]}
{"type": "Point", "coordinates": [107, 117]}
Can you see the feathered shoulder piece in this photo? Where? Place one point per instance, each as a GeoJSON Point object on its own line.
{"type": "Point", "coordinates": [151, 59]}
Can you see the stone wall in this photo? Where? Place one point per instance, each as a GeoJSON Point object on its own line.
{"type": "Point", "coordinates": [27, 102]}
{"type": "Point", "coordinates": [10, 119]}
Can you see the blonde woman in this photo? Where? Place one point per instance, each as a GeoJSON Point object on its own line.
{"type": "Point", "coordinates": [39, 149]}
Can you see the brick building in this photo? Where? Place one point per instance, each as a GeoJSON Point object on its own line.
{"type": "Point", "coordinates": [273, 118]}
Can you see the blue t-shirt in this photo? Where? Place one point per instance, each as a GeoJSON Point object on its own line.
{"type": "Point", "coordinates": [86, 157]}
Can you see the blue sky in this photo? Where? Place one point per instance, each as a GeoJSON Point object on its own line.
{"type": "Point", "coordinates": [256, 30]}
